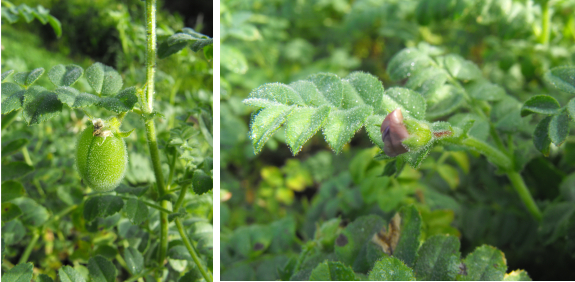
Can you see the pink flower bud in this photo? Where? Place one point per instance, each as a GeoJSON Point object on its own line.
{"type": "Point", "coordinates": [393, 132]}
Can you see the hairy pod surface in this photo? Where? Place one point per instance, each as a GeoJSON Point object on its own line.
{"type": "Point", "coordinates": [101, 161]}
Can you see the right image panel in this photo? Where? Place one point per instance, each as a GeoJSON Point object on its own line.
{"type": "Point", "coordinates": [397, 140]}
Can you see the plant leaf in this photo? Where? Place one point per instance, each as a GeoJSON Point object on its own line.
{"type": "Point", "coordinates": [9, 88]}
{"type": "Point", "coordinates": [438, 259]}
{"type": "Point", "coordinates": [12, 190]}
{"type": "Point", "coordinates": [541, 104]}
{"type": "Point", "coordinates": [485, 263]}
{"type": "Point", "coordinates": [410, 102]}
{"type": "Point", "coordinates": [40, 107]}
{"type": "Point", "coordinates": [136, 211]}
{"type": "Point", "coordinates": [69, 274]}
{"type": "Point", "coordinates": [61, 75]}
{"type": "Point", "coordinates": [101, 269]}
{"type": "Point", "coordinates": [28, 78]}
{"type": "Point", "coordinates": [410, 235]}
{"type": "Point", "coordinates": [562, 78]}
{"type": "Point", "coordinates": [123, 102]}
{"type": "Point", "coordinates": [559, 128]}
{"type": "Point", "coordinates": [517, 275]}
{"type": "Point", "coordinates": [541, 138]}
{"type": "Point", "coordinates": [461, 68]}
{"type": "Point", "coordinates": [102, 206]}
{"type": "Point", "coordinates": [233, 59]}
{"type": "Point", "coordinates": [201, 182]}
{"type": "Point", "coordinates": [14, 146]}
{"type": "Point", "coordinates": [14, 170]}
{"type": "Point", "coordinates": [485, 90]}
{"type": "Point", "coordinates": [105, 80]}
{"type": "Point", "coordinates": [6, 74]}
{"type": "Point", "coordinates": [332, 271]}
{"type": "Point", "coordinates": [20, 273]}
{"type": "Point", "coordinates": [391, 269]}
{"type": "Point", "coordinates": [407, 62]}
{"type": "Point", "coordinates": [134, 260]}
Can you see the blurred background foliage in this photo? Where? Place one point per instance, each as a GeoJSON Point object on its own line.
{"type": "Point", "coordinates": [280, 199]}
{"type": "Point", "coordinates": [111, 32]}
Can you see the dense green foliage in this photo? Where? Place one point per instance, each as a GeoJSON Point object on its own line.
{"type": "Point", "coordinates": [482, 169]}
{"type": "Point", "coordinates": [60, 223]}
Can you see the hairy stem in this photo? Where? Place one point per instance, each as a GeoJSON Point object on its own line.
{"type": "Point", "coordinates": [150, 53]}
{"type": "Point", "coordinates": [150, 126]}
{"type": "Point", "coordinates": [524, 194]}
{"type": "Point", "coordinates": [192, 250]}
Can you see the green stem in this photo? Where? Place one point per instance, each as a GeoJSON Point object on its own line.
{"type": "Point", "coordinates": [150, 54]}
{"type": "Point", "coordinates": [172, 168]}
{"type": "Point", "coordinates": [180, 200]}
{"type": "Point", "coordinates": [147, 107]}
{"type": "Point", "coordinates": [149, 204]}
{"type": "Point", "coordinates": [26, 156]}
{"type": "Point", "coordinates": [524, 194]}
{"type": "Point", "coordinates": [60, 214]}
{"type": "Point", "coordinates": [493, 155]}
{"type": "Point", "coordinates": [496, 138]}
{"type": "Point", "coordinates": [29, 248]}
{"type": "Point", "coordinates": [9, 118]}
{"type": "Point", "coordinates": [155, 154]}
{"type": "Point", "coordinates": [192, 250]}
{"type": "Point", "coordinates": [545, 24]}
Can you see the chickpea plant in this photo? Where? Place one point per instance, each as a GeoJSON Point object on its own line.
{"type": "Point", "coordinates": [476, 114]}
{"type": "Point", "coordinates": [101, 161]}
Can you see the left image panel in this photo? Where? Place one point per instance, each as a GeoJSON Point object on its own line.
{"type": "Point", "coordinates": [107, 150]}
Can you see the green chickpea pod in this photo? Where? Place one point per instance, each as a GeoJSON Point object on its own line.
{"type": "Point", "coordinates": [101, 155]}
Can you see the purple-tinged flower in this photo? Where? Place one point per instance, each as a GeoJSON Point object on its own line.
{"type": "Point", "coordinates": [393, 132]}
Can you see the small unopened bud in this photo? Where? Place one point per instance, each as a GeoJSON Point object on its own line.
{"type": "Point", "coordinates": [393, 132]}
